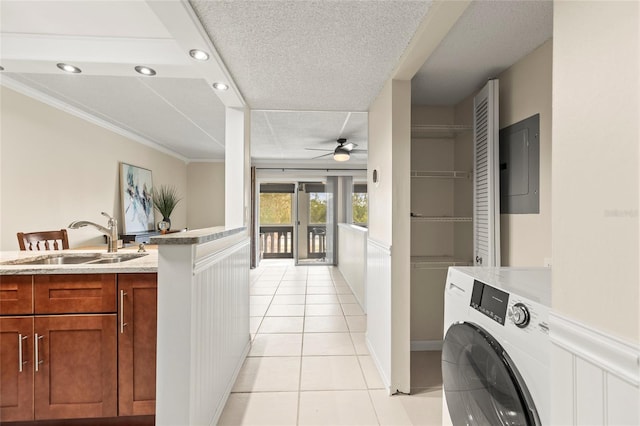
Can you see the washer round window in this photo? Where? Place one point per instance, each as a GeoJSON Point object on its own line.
{"type": "Point", "coordinates": [481, 384]}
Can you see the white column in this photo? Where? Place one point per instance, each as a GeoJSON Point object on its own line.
{"type": "Point", "coordinates": [237, 167]}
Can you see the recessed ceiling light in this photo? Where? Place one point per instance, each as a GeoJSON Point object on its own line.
{"type": "Point", "coordinates": [145, 70]}
{"type": "Point", "coordinates": [220, 86]}
{"type": "Point", "coordinates": [69, 68]}
{"type": "Point", "coordinates": [198, 54]}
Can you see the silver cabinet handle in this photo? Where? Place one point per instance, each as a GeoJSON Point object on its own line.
{"type": "Point", "coordinates": [122, 323]}
{"type": "Point", "coordinates": [20, 361]}
{"type": "Point", "coordinates": [36, 340]}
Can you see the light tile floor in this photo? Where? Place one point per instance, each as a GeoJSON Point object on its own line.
{"type": "Point", "coordinates": [309, 363]}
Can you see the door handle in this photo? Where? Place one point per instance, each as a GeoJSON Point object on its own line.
{"type": "Point", "coordinates": [21, 338]}
{"type": "Point", "coordinates": [36, 339]}
{"type": "Point", "coordinates": [122, 323]}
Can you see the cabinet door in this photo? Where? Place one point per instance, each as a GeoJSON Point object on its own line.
{"type": "Point", "coordinates": [16, 369]}
{"type": "Point", "coordinates": [137, 343]}
{"type": "Point", "coordinates": [75, 293]}
{"type": "Point", "coordinates": [75, 374]}
{"type": "Point", "coordinates": [16, 294]}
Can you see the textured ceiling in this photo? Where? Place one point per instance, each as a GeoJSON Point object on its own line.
{"type": "Point", "coordinates": [310, 55]}
{"type": "Point", "coordinates": [489, 37]}
{"type": "Point", "coordinates": [284, 135]}
{"type": "Point", "coordinates": [326, 58]}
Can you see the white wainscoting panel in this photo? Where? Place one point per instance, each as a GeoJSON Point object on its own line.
{"type": "Point", "coordinates": [203, 329]}
{"type": "Point", "coordinates": [352, 259]}
{"type": "Point", "coordinates": [595, 378]}
{"type": "Point", "coordinates": [379, 307]}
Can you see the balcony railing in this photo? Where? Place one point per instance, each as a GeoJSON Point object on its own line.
{"type": "Point", "coordinates": [317, 241]}
{"type": "Point", "coordinates": [276, 242]}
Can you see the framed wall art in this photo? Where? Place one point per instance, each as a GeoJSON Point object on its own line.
{"type": "Point", "coordinates": [136, 189]}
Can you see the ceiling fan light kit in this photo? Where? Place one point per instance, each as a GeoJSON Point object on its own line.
{"type": "Point", "coordinates": [341, 154]}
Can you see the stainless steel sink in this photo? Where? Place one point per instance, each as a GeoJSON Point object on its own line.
{"type": "Point", "coordinates": [75, 259]}
{"type": "Point", "coordinates": [117, 258]}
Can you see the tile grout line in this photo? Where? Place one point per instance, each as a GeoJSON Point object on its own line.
{"type": "Point", "coordinates": [304, 317]}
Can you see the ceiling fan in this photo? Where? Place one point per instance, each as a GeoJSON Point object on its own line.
{"type": "Point", "coordinates": [342, 152]}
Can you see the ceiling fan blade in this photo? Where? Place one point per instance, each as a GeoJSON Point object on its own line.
{"type": "Point", "coordinates": [349, 146]}
{"type": "Point", "coordinates": [318, 149]}
{"type": "Point", "coordinates": [325, 155]}
{"type": "Point", "coordinates": [358, 151]}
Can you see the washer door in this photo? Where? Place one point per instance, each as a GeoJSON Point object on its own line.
{"type": "Point", "coordinates": [481, 383]}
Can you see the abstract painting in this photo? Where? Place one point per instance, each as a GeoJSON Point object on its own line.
{"type": "Point", "coordinates": [136, 186]}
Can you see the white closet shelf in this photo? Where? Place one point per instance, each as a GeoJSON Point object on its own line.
{"type": "Point", "coordinates": [437, 262]}
{"type": "Point", "coordinates": [437, 131]}
{"type": "Point", "coordinates": [441, 174]}
{"type": "Point", "coordinates": [440, 219]}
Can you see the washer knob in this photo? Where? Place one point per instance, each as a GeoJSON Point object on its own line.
{"type": "Point", "coordinates": [519, 315]}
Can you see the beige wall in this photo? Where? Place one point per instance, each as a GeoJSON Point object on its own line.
{"type": "Point", "coordinates": [379, 158]}
{"type": "Point", "coordinates": [525, 90]}
{"type": "Point", "coordinates": [595, 165]}
{"type": "Point", "coordinates": [205, 195]}
{"type": "Point", "coordinates": [56, 168]}
{"type": "Point", "coordinates": [389, 207]}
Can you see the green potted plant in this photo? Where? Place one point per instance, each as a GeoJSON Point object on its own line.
{"type": "Point", "coordinates": [165, 199]}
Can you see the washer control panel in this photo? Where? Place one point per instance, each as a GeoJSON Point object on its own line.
{"type": "Point", "coordinates": [519, 315]}
{"type": "Point", "coordinates": [490, 301]}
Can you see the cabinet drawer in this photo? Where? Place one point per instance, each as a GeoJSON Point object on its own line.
{"type": "Point", "coordinates": [16, 294]}
{"type": "Point", "coordinates": [77, 293]}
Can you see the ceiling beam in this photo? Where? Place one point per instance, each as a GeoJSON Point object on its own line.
{"type": "Point", "coordinates": [183, 24]}
{"type": "Point", "coordinates": [441, 17]}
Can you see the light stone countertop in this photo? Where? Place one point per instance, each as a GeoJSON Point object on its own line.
{"type": "Point", "coordinates": [196, 236]}
{"type": "Point", "coordinates": [148, 263]}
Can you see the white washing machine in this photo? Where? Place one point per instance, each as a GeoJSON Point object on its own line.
{"type": "Point", "coordinates": [495, 355]}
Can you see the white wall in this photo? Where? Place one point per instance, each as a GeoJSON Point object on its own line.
{"type": "Point", "coordinates": [205, 195]}
{"type": "Point", "coordinates": [595, 165]}
{"type": "Point", "coordinates": [56, 168]}
{"type": "Point", "coordinates": [389, 221]}
{"type": "Point", "coordinates": [352, 259]}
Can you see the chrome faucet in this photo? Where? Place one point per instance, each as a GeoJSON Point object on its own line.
{"type": "Point", "coordinates": [111, 232]}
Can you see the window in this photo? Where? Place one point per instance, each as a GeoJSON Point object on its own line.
{"type": "Point", "coordinates": [360, 204]}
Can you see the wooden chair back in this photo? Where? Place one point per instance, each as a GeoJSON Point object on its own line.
{"type": "Point", "coordinates": [41, 240]}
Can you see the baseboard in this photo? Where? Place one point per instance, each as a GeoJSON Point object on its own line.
{"type": "Point", "coordinates": [426, 345]}
{"type": "Point", "coordinates": [376, 362]}
{"type": "Point", "coordinates": [227, 392]}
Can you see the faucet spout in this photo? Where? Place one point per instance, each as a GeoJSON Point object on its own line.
{"type": "Point", "coordinates": [111, 232]}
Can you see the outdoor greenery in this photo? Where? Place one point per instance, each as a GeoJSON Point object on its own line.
{"type": "Point", "coordinates": [360, 202]}
{"type": "Point", "coordinates": [275, 209]}
{"type": "Point", "coordinates": [317, 207]}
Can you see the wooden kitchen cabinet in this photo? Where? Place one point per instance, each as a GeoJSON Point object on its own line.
{"type": "Point", "coordinates": [69, 361]}
{"type": "Point", "coordinates": [16, 294]}
{"type": "Point", "coordinates": [16, 369]}
{"type": "Point", "coordinates": [75, 293]}
{"type": "Point", "coordinates": [137, 312]}
{"type": "Point", "coordinates": [76, 368]}
{"type": "Point", "coordinates": [96, 346]}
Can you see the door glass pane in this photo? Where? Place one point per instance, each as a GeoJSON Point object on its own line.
{"type": "Point", "coordinates": [276, 225]}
